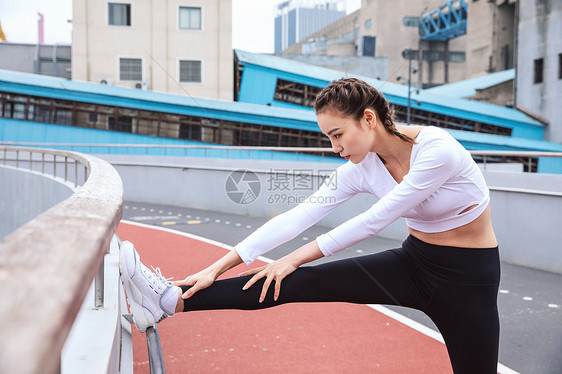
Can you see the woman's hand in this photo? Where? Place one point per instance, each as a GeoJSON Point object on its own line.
{"type": "Point", "coordinates": [206, 277]}
{"type": "Point", "coordinates": [198, 281]}
{"type": "Point", "coordinates": [275, 271]}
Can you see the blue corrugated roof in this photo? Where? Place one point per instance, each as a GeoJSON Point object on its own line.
{"type": "Point", "coordinates": [392, 91]}
{"type": "Point", "coordinates": [499, 142]}
{"type": "Point", "coordinates": [91, 92]}
{"type": "Point", "coordinates": [151, 100]}
{"type": "Point", "coordinates": [468, 87]}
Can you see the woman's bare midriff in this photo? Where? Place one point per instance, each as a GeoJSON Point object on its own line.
{"type": "Point", "coordinates": [476, 234]}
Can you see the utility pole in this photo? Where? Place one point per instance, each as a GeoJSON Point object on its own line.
{"type": "Point", "coordinates": [409, 54]}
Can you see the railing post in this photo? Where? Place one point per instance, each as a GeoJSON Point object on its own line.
{"type": "Point", "coordinates": [65, 168]}
{"type": "Point", "coordinates": [17, 159]}
{"type": "Point", "coordinates": [98, 286]}
{"type": "Point", "coordinates": [54, 166]}
{"type": "Point", "coordinates": [42, 163]}
{"type": "Point", "coordinates": [75, 173]}
{"type": "Point", "coordinates": [30, 159]}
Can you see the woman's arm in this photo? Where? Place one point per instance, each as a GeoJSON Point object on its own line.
{"type": "Point", "coordinates": [341, 186]}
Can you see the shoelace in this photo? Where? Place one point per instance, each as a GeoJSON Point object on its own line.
{"type": "Point", "coordinates": [156, 279]}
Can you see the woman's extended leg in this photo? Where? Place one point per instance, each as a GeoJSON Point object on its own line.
{"type": "Point", "coordinates": [381, 278]}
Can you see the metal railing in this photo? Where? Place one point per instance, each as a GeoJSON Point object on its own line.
{"type": "Point", "coordinates": [486, 156]}
{"type": "Point", "coordinates": [48, 264]}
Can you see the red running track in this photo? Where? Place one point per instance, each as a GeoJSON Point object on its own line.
{"type": "Point", "coordinates": [295, 338]}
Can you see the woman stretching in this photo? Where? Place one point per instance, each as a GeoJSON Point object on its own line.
{"type": "Point", "coordinates": [448, 267]}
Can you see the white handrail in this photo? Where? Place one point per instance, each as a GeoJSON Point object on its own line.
{"type": "Point", "coordinates": [47, 265]}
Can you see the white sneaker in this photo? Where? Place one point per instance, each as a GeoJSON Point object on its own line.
{"type": "Point", "coordinates": [147, 292]}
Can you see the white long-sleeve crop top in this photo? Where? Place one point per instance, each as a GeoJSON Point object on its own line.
{"type": "Point", "coordinates": [442, 182]}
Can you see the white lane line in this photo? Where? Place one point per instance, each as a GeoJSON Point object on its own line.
{"type": "Point", "coordinates": [504, 291]}
{"type": "Point", "coordinates": [502, 369]}
{"type": "Point", "coordinates": [527, 298]}
{"type": "Point", "coordinates": [555, 306]}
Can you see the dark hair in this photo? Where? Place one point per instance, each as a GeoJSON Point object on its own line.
{"type": "Point", "coordinates": [351, 96]}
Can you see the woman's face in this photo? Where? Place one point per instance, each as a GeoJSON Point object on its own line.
{"type": "Point", "coordinates": [352, 141]}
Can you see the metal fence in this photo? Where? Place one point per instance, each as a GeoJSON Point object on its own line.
{"type": "Point", "coordinates": [529, 159]}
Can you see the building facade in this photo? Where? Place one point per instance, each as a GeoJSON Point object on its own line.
{"type": "Point", "coordinates": [297, 19]}
{"type": "Point", "coordinates": [182, 47]}
{"type": "Point", "coordinates": [382, 31]}
{"type": "Point", "coordinates": [490, 44]}
{"type": "Point", "coordinates": [539, 63]}
{"type": "Point", "coordinates": [44, 59]}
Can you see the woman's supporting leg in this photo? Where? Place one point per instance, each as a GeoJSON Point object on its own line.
{"type": "Point", "coordinates": [381, 278]}
{"type": "Point", "coordinates": [467, 317]}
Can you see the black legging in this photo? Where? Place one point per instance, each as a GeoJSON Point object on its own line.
{"type": "Point", "coordinates": [456, 287]}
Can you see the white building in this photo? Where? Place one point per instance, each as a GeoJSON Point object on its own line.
{"type": "Point", "coordinates": [175, 46]}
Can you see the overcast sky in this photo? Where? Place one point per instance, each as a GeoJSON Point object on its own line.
{"type": "Point", "coordinates": [252, 26]}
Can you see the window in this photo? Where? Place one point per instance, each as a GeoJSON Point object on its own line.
{"type": "Point", "coordinates": [411, 21]}
{"type": "Point", "coordinates": [295, 93]}
{"type": "Point", "coordinates": [130, 69]}
{"type": "Point", "coordinates": [433, 55]}
{"type": "Point", "coordinates": [190, 18]}
{"type": "Point", "coordinates": [123, 124]}
{"type": "Point", "coordinates": [538, 70]}
{"type": "Point", "coordinates": [119, 14]}
{"type": "Point", "coordinates": [190, 71]}
{"type": "Point", "coordinates": [368, 24]}
{"type": "Point", "coordinates": [457, 56]}
{"type": "Point", "coordinates": [92, 117]}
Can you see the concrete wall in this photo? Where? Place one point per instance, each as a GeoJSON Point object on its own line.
{"type": "Point", "coordinates": [490, 27]}
{"type": "Point", "coordinates": [526, 220]}
{"type": "Point", "coordinates": [154, 36]}
{"type": "Point", "coordinates": [540, 27]}
{"type": "Point", "coordinates": [500, 94]}
{"type": "Point", "coordinates": [24, 195]}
